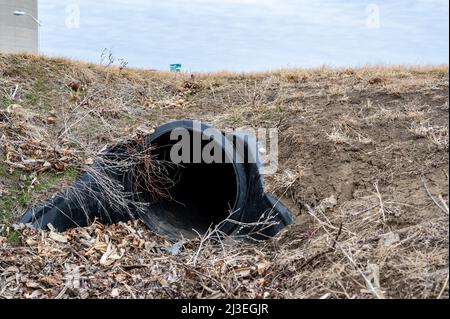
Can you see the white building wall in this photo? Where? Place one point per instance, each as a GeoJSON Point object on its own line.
{"type": "Point", "coordinates": [19, 33]}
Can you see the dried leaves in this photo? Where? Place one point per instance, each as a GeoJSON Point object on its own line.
{"type": "Point", "coordinates": [28, 145]}
{"type": "Point", "coordinates": [127, 260]}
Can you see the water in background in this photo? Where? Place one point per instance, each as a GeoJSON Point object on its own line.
{"type": "Point", "coordinates": [248, 35]}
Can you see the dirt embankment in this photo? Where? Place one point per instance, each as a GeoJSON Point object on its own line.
{"type": "Point", "coordinates": [363, 163]}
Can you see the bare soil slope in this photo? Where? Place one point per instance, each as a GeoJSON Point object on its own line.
{"type": "Point", "coordinates": [363, 165]}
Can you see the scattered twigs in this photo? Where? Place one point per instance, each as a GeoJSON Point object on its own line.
{"type": "Point", "coordinates": [441, 293]}
{"type": "Point", "coordinates": [337, 236]}
{"type": "Point", "coordinates": [13, 95]}
{"type": "Point", "coordinates": [382, 210]}
{"type": "Point", "coordinates": [371, 287]}
{"type": "Point", "coordinates": [442, 205]}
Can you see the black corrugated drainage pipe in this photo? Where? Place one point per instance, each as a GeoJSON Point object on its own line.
{"type": "Point", "coordinates": [227, 194]}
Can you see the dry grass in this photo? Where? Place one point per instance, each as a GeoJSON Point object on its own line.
{"type": "Point", "coordinates": [438, 135]}
{"type": "Point", "coordinates": [341, 257]}
{"type": "Point", "coordinates": [363, 163]}
{"type": "Point", "coordinates": [346, 134]}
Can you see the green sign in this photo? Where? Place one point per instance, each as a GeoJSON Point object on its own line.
{"type": "Point", "coordinates": [175, 67]}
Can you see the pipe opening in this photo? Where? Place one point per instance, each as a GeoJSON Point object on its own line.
{"type": "Point", "coordinates": [201, 195]}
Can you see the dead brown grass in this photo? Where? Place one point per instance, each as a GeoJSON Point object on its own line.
{"type": "Point", "coordinates": [363, 166]}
